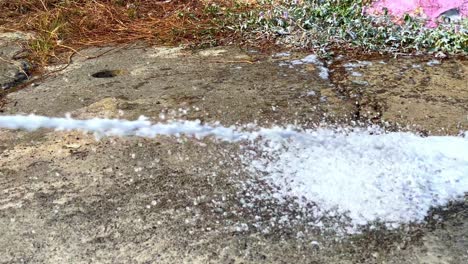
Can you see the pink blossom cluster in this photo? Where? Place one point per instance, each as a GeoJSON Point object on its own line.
{"type": "Point", "coordinates": [427, 9]}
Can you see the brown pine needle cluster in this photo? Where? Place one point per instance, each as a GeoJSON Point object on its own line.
{"type": "Point", "coordinates": [60, 26]}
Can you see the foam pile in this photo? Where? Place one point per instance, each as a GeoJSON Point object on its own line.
{"type": "Point", "coordinates": [392, 178]}
{"type": "Point", "coordinates": [367, 175]}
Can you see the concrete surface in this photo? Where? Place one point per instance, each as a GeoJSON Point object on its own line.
{"type": "Point", "coordinates": [67, 198]}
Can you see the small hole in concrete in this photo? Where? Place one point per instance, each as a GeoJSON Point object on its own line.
{"type": "Point", "coordinates": [107, 74]}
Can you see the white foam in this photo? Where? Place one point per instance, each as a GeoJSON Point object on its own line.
{"type": "Point", "coordinates": [358, 64]}
{"type": "Point", "coordinates": [393, 178]}
{"type": "Point", "coordinates": [311, 93]}
{"type": "Point", "coordinates": [282, 54]}
{"type": "Point", "coordinates": [313, 59]}
{"type": "Point", "coordinates": [433, 62]}
{"type": "Point", "coordinates": [116, 127]}
{"type": "Point", "coordinates": [323, 73]}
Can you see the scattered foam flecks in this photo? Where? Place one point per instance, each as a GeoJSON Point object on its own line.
{"type": "Point", "coordinates": [433, 62]}
{"type": "Point", "coordinates": [392, 178]}
{"type": "Point", "coordinates": [313, 59]}
{"type": "Point", "coordinates": [282, 54]}
{"type": "Point", "coordinates": [366, 175]}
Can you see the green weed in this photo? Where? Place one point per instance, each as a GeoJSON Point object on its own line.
{"type": "Point", "coordinates": [324, 25]}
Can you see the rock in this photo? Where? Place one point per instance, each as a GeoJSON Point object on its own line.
{"type": "Point", "coordinates": [441, 55]}
{"type": "Point", "coordinates": [450, 16]}
{"type": "Point", "coordinates": [219, 210]}
{"type": "Point", "coordinates": [13, 70]}
{"type": "Point", "coordinates": [12, 74]}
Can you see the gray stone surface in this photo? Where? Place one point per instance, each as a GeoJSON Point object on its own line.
{"type": "Point", "coordinates": [66, 197]}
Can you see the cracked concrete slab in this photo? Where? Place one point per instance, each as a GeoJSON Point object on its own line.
{"type": "Point", "coordinates": [68, 197]}
{"type": "Point", "coordinates": [422, 94]}
{"type": "Point", "coordinates": [239, 87]}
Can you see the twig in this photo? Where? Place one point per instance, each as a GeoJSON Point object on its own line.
{"type": "Point", "coordinates": [239, 61]}
{"type": "Point", "coordinates": [10, 29]}
{"type": "Point", "coordinates": [44, 5]}
{"type": "Point", "coordinates": [103, 53]}
{"type": "Point", "coordinates": [72, 49]}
